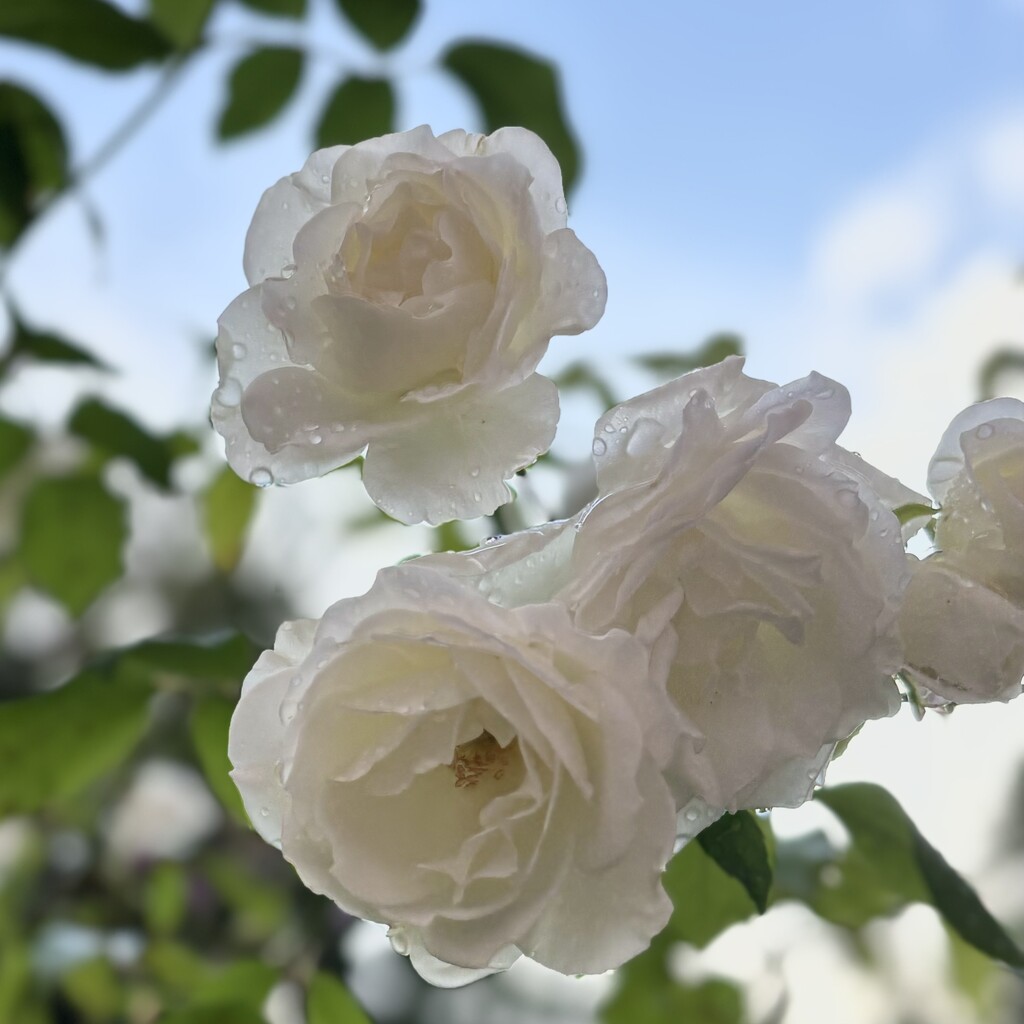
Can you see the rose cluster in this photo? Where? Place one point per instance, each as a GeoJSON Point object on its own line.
{"type": "Point", "coordinates": [495, 752]}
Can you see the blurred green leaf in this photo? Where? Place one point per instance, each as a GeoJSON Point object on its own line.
{"type": "Point", "coordinates": [517, 88]}
{"type": "Point", "coordinates": [360, 108]}
{"type": "Point", "coordinates": [279, 8]}
{"type": "Point", "coordinates": [450, 537]}
{"type": "Point", "coordinates": [209, 729]}
{"type": "Point", "coordinates": [224, 658]}
{"type": "Point", "coordinates": [260, 86]}
{"type": "Point", "coordinates": [674, 364]}
{"type": "Point", "coordinates": [54, 744]}
{"type": "Point", "coordinates": [206, 988]}
{"type": "Point", "coordinates": [46, 347]}
{"type": "Point", "coordinates": [737, 845]}
{"type": "Point", "coordinates": [329, 1002]}
{"type": "Point", "coordinates": [87, 30]}
{"type": "Point", "coordinates": [33, 155]}
{"type": "Point", "coordinates": [228, 506]}
{"type": "Point", "coordinates": [94, 988]}
{"type": "Point", "coordinates": [165, 898]}
{"type": "Point", "coordinates": [259, 910]}
{"type": "Point", "coordinates": [116, 434]}
{"type": "Point", "coordinates": [72, 533]}
{"type": "Point", "coordinates": [15, 441]}
{"type": "Point", "coordinates": [647, 994]}
{"type": "Point", "coordinates": [383, 22]}
{"type": "Point", "coordinates": [182, 21]}
{"type": "Point", "coordinates": [707, 900]}
{"type": "Point", "coordinates": [581, 376]}
{"type": "Point", "coordinates": [237, 1013]}
{"type": "Point", "coordinates": [1000, 363]}
{"type": "Point", "coordinates": [888, 854]}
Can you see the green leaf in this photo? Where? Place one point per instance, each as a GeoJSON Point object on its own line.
{"type": "Point", "coordinates": [116, 434]}
{"type": "Point", "coordinates": [46, 347]}
{"type": "Point", "coordinates": [383, 22]}
{"type": "Point", "coordinates": [224, 658]}
{"type": "Point", "coordinates": [55, 744]}
{"type": "Point", "coordinates": [165, 899]}
{"type": "Point", "coordinates": [706, 899]}
{"type": "Point", "coordinates": [580, 376]}
{"type": "Point", "coordinates": [359, 108]}
{"type": "Point", "coordinates": [997, 365]}
{"type": "Point", "coordinates": [235, 1013]}
{"type": "Point", "coordinates": [646, 997]}
{"type": "Point", "coordinates": [674, 364]}
{"type": "Point", "coordinates": [91, 31]}
{"type": "Point", "coordinates": [228, 506]}
{"type": "Point", "coordinates": [517, 88]}
{"type": "Point", "coordinates": [898, 858]}
{"type": "Point", "coordinates": [450, 537]}
{"type": "Point", "coordinates": [737, 845]}
{"type": "Point", "coordinates": [15, 441]}
{"type": "Point", "coordinates": [71, 538]}
{"type": "Point", "coordinates": [94, 988]}
{"type": "Point", "coordinates": [182, 21]}
{"type": "Point", "coordinates": [908, 513]}
{"type": "Point", "coordinates": [260, 86]}
{"type": "Point", "coordinates": [33, 155]}
{"type": "Point", "coordinates": [279, 8]}
{"type": "Point", "coordinates": [329, 1002]}
{"type": "Point", "coordinates": [209, 729]}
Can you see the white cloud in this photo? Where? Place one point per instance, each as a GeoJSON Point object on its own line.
{"type": "Point", "coordinates": [999, 160]}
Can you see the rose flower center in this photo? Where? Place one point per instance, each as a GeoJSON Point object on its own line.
{"type": "Point", "coordinates": [480, 758]}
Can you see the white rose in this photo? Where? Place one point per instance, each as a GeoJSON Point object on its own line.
{"type": "Point", "coordinates": [728, 496]}
{"type": "Point", "coordinates": [963, 615]}
{"type": "Point", "coordinates": [402, 293]}
{"type": "Point", "coordinates": [487, 781]}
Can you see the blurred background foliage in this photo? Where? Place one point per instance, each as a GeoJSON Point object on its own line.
{"type": "Point", "coordinates": [132, 888]}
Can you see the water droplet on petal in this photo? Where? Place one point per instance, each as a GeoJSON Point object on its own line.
{"type": "Point", "coordinates": [264, 812]}
{"type": "Point", "coordinates": [229, 394]}
{"type": "Point", "coordinates": [599, 447]}
{"type": "Point", "coordinates": [288, 270]}
{"type": "Point", "coordinates": [827, 393]}
{"type": "Point", "coordinates": [609, 429]}
{"type": "Point", "coordinates": [690, 815]}
{"type": "Point", "coordinates": [985, 431]}
{"type": "Point", "coordinates": [316, 438]}
{"type": "Point", "coordinates": [261, 477]}
{"type": "Point", "coordinates": [476, 495]}
{"type": "Point", "coordinates": [474, 472]}
{"type": "Point", "coordinates": [560, 205]}
{"type": "Point", "coordinates": [290, 302]}
{"type": "Point", "coordinates": [238, 350]}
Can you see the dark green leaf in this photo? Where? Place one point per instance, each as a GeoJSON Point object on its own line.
{"type": "Point", "coordinates": [329, 1002]}
{"type": "Point", "coordinates": [674, 364]}
{"type": "Point", "coordinates": [221, 659]}
{"type": "Point", "coordinates": [900, 858]}
{"type": "Point", "coordinates": [15, 441]}
{"type": "Point", "coordinates": [450, 537]}
{"type": "Point", "coordinates": [209, 728]}
{"type": "Point", "coordinates": [360, 108]}
{"type": "Point", "coordinates": [280, 8]}
{"type": "Point", "coordinates": [997, 365]}
{"type": "Point", "coordinates": [71, 539]}
{"type": "Point", "coordinates": [116, 434]}
{"type": "Point", "coordinates": [33, 156]}
{"type": "Point", "coordinates": [260, 86]}
{"type": "Point", "coordinates": [383, 22]}
{"type": "Point", "coordinates": [87, 30]}
{"type": "Point", "coordinates": [707, 900]}
{"type": "Point", "coordinates": [181, 21]}
{"type": "Point", "coordinates": [55, 744]}
{"type": "Point", "coordinates": [227, 510]}
{"type": "Point", "coordinates": [737, 845]}
{"type": "Point", "coordinates": [46, 347]}
{"type": "Point", "coordinates": [516, 88]}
